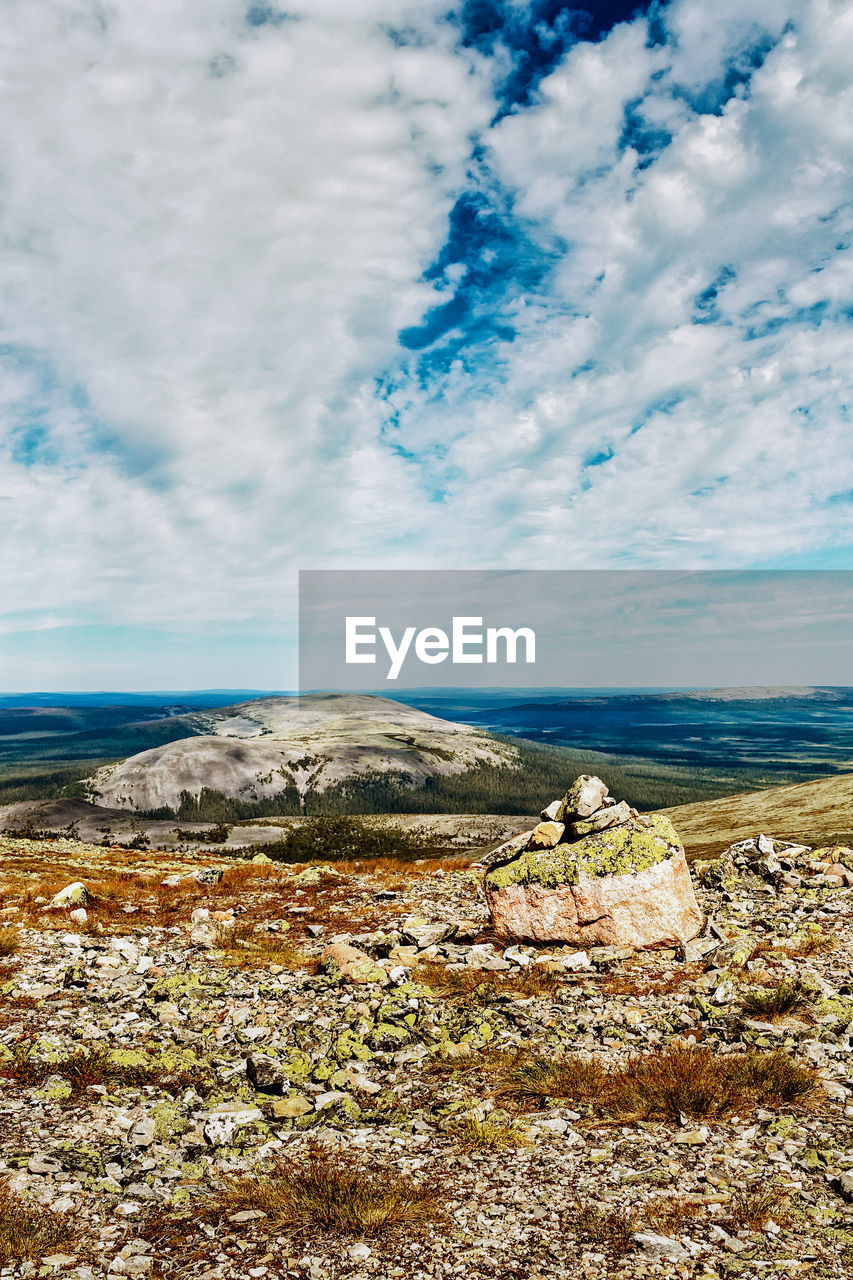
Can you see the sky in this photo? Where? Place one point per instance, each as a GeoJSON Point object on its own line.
{"type": "Point", "coordinates": [504, 284]}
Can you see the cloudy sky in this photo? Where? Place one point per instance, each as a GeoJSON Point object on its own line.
{"type": "Point", "coordinates": [408, 283]}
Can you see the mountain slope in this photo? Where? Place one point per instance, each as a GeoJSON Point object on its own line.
{"type": "Point", "coordinates": [260, 749]}
{"type": "Point", "coordinates": [816, 812]}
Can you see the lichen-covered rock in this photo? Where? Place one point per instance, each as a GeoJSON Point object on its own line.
{"type": "Point", "coordinates": [73, 895]}
{"type": "Point", "coordinates": [626, 885]}
{"type": "Point", "coordinates": [609, 817]}
{"type": "Point", "coordinates": [352, 965]}
{"type": "Point", "coordinates": [583, 798]}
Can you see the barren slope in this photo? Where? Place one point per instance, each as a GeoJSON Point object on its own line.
{"type": "Point", "coordinates": [812, 812]}
{"type": "Point", "coordinates": [258, 749]}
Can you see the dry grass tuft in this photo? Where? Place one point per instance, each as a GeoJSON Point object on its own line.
{"type": "Point", "coordinates": [667, 1214]}
{"type": "Point", "coordinates": [769, 1003]}
{"type": "Point", "coordinates": [528, 1082]}
{"type": "Point", "coordinates": [753, 1207]}
{"type": "Point", "coordinates": [677, 1081]}
{"type": "Point", "coordinates": [627, 981]}
{"type": "Point", "coordinates": [610, 1229]}
{"type": "Point", "coordinates": [490, 1132]}
{"type": "Point", "coordinates": [10, 941]}
{"type": "Point", "coordinates": [483, 984]}
{"type": "Point", "coordinates": [245, 949]}
{"type": "Point", "coordinates": [613, 1228]}
{"type": "Point", "coordinates": [335, 1193]}
{"type": "Point", "coordinates": [812, 941]}
{"type": "Point", "coordinates": [27, 1231]}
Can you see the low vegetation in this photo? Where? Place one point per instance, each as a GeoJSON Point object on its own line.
{"type": "Point", "coordinates": [666, 1084]}
{"type": "Point", "coordinates": [334, 1193]}
{"type": "Point", "coordinates": [213, 835]}
{"type": "Point", "coordinates": [753, 1207]}
{"type": "Point", "coordinates": [10, 941]}
{"type": "Point", "coordinates": [610, 1228]}
{"type": "Point", "coordinates": [245, 948]}
{"type": "Point", "coordinates": [483, 985]}
{"type": "Point", "coordinates": [768, 1003]}
{"type": "Point", "coordinates": [342, 839]}
{"type": "Point", "coordinates": [27, 1232]}
{"type": "Point", "coordinates": [490, 1132]}
{"type": "Point", "coordinates": [98, 1066]}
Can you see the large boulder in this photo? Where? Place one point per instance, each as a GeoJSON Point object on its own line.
{"type": "Point", "coordinates": [627, 884]}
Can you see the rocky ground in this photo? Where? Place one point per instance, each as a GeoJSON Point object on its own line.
{"type": "Point", "coordinates": [180, 1029]}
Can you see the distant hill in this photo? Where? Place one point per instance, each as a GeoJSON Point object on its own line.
{"type": "Point", "coordinates": [818, 812]}
{"type": "Point", "coordinates": [272, 748]}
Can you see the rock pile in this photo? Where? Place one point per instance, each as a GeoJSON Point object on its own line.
{"type": "Point", "coordinates": [768, 865]}
{"type": "Point", "coordinates": [594, 872]}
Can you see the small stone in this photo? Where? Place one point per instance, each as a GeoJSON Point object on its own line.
{"type": "Point", "coordinates": [207, 875]}
{"type": "Point", "coordinates": [609, 817]}
{"type": "Point", "coordinates": [290, 1108]}
{"type": "Point", "coordinates": [691, 1137]}
{"type": "Point", "coordinates": [261, 860]}
{"type": "Point", "coordinates": [224, 1121]}
{"type": "Point", "coordinates": [583, 798]}
{"type": "Point", "coordinates": [576, 960]}
{"type": "Point", "coordinates": [655, 1246]}
{"type": "Point", "coordinates": [143, 1132]}
{"type": "Point", "coordinates": [359, 1252]}
{"type": "Point", "coordinates": [547, 835]}
{"type": "Point", "coordinates": [73, 895]}
{"type": "Point", "coordinates": [79, 915]}
{"type": "Point", "coordinates": [423, 934]}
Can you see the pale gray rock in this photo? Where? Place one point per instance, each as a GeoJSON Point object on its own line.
{"type": "Point", "coordinates": [655, 1246]}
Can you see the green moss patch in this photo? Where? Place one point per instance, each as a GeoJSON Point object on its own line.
{"type": "Point", "coordinates": [621, 850]}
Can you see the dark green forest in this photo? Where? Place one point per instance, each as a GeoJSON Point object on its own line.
{"type": "Point", "coordinates": [543, 774]}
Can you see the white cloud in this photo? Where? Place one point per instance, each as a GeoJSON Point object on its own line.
{"type": "Point", "coordinates": [213, 234]}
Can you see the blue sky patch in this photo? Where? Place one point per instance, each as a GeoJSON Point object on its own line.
{"type": "Point", "coordinates": [537, 35]}
{"type": "Point", "coordinates": [500, 264]}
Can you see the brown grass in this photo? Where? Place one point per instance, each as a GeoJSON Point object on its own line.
{"type": "Point", "coordinates": [628, 981]}
{"type": "Point", "coordinates": [609, 1228]}
{"type": "Point", "coordinates": [243, 948]}
{"type": "Point", "coordinates": [490, 1132]}
{"type": "Point", "coordinates": [10, 941]}
{"type": "Point", "coordinates": [680, 1080]}
{"type": "Point", "coordinates": [27, 1231]}
{"type": "Point", "coordinates": [612, 1228]}
{"type": "Point", "coordinates": [667, 1214]}
{"type": "Point", "coordinates": [487, 1061]}
{"type": "Point", "coordinates": [83, 1068]}
{"type": "Point", "coordinates": [484, 984]}
{"type": "Point", "coordinates": [769, 1003]}
{"type": "Point", "coordinates": [753, 1207]}
{"type": "Point", "coordinates": [336, 1194]}
{"type": "Point", "coordinates": [15, 1008]}
{"type": "Point", "coordinates": [812, 941]}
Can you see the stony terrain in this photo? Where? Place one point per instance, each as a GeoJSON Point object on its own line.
{"type": "Point", "coordinates": [178, 1025]}
{"type": "Point", "coordinates": [255, 750]}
